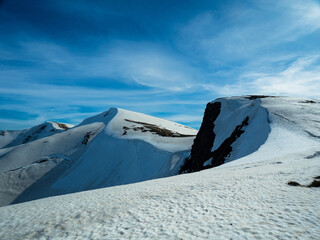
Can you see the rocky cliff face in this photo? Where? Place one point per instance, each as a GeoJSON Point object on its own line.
{"type": "Point", "coordinates": [201, 148]}
{"type": "Point", "coordinates": [225, 121]}
{"type": "Point", "coordinates": [219, 156]}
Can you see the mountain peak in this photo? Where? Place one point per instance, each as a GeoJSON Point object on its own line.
{"type": "Point", "coordinates": [253, 125]}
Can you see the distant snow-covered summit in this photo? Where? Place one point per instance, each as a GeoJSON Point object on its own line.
{"type": "Point", "coordinates": [18, 137]}
{"type": "Point", "coordinates": [112, 148]}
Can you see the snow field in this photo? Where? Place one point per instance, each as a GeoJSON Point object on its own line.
{"type": "Point", "coordinates": [244, 201]}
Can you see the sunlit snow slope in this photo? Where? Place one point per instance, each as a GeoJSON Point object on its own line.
{"type": "Point", "coordinates": [14, 138]}
{"type": "Point", "coordinates": [112, 148]}
{"type": "Point", "coordinates": [247, 197]}
{"type": "Point", "coordinates": [258, 127]}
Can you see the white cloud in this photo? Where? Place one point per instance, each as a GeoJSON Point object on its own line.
{"type": "Point", "coordinates": [143, 63]}
{"type": "Point", "coordinates": [149, 66]}
{"type": "Point", "coordinates": [306, 13]}
{"type": "Point", "coordinates": [245, 33]}
{"type": "Point", "coordinates": [234, 51]}
{"type": "Point", "coordinates": [301, 78]}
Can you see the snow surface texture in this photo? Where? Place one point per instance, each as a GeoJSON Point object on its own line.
{"type": "Point", "coordinates": [115, 147]}
{"type": "Point", "coordinates": [239, 201]}
{"type": "Point", "coordinates": [295, 127]}
{"type": "Point", "coordinates": [246, 198]}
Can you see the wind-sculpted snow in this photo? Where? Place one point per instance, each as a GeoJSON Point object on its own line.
{"type": "Point", "coordinates": [18, 180]}
{"type": "Point", "coordinates": [95, 154]}
{"type": "Point", "coordinates": [233, 201]}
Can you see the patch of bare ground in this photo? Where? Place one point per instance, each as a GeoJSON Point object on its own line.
{"type": "Point", "coordinates": [87, 137]}
{"type": "Point", "coordinates": [62, 125]}
{"type": "Point", "coordinates": [314, 183]}
{"type": "Point", "coordinates": [308, 101]}
{"type": "Point", "coordinates": [147, 127]}
{"type": "Point", "coordinates": [252, 97]}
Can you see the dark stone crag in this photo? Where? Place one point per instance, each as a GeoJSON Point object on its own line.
{"type": "Point", "coordinates": [203, 143]}
{"type": "Point", "coordinates": [219, 155]}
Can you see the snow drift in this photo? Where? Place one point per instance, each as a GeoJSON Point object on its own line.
{"type": "Point", "coordinates": [112, 148]}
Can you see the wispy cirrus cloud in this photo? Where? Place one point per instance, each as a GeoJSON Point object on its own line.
{"type": "Point", "coordinates": [242, 32]}
{"type": "Point", "coordinates": [268, 48]}
{"type": "Point", "coordinates": [141, 63]}
{"type": "Point", "coordinates": [55, 81]}
{"type": "Point", "coordinates": [301, 78]}
{"type": "Point", "coordinates": [74, 59]}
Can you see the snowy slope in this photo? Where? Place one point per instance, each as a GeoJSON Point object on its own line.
{"type": "Point", "coordinates": [266, 143]}
{"type": "Point", "coordinates": [240, 126]}
{"type": "Point", "coordinates": [14, 138]}
{"type": "Point", "coordinates": [243, 201]}
{"type": "Point", "coordinates": [111, 148]}
{"type": "Point", "coordinates": [294, 124]}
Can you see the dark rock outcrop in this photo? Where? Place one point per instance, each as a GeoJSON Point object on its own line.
{"type": "Point", "coordinates": [202, 145]}
{"type": "Point", "coordinates": [219, 155]}
{"type": "Point", "coordinates": [34, 136]}
{"type": "Point", "coordinates": [201, 150]}
{"type": "Point", "coordinates": [147, 127]}
{"type": "Point", "coordinates": [86, 138]}
{"type": "Point", "coordinates": [253, 97]}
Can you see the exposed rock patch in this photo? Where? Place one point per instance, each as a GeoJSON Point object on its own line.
{"type": "Point", "coordinates": [219, 155]}
{"type": "Point", "coordinates": [27, 139]}
{"type": "Point", "coordinates": [253, 97]}
{"type": "Point", "coordinates": [202, 156]}
{"type": "Point", "coordinates": [314, 183]}
{"type": "Point", "coordinates": [43, 160]}
{"type": "Point", "coordinates": [293, 183]}
{"type": "Point", "coordinates": [86, 138]}
{"type": "Point", "coordinates": [147, 127]}
{"type": "Point", "coordinates": [62, 125]}
{"type": "Point", "coordinates": [34, 136]}
{"type": "Point", "coordinates": [308, 101]}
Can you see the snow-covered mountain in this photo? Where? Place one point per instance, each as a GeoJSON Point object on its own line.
{"type": "Point", "coordinates": [267, 153]}
{"type": "Point", "coordinates": [258, 127]}
{"type": "Point", "coordinates": [14, 138]}
{"type": "Point", "coordinates": [112, 148]}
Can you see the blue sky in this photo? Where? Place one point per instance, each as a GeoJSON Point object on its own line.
{"type": "Point", "coordinates": [67, 60]}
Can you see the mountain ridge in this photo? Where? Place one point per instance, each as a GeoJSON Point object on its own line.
{"type": "Point", "coordinates": [250, 121]}
{"type": "Point", "coordinates": [119, 147]}
{"type": "Point", "coordinates": [98, 152]}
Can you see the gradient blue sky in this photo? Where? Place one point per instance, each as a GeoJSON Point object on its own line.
{"type": "Point", "coordinates": [67, 60]}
